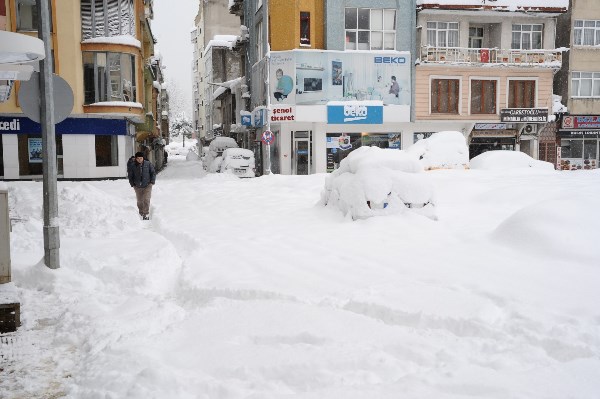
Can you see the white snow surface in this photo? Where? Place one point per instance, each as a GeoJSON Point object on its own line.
{"type": "Point", "coordinates": [504, 159]}
{"type": "Point", "coordinates": [127, 40]}
{"type": "Point", "coordinates": [246, 288]}
{"type": "Point", "coordinates": [442, 150]}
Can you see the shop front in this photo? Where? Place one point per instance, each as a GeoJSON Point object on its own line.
{"type": "Point", "coordinates": [491, 136]}
{"type": "Point", "coordinates": [579, 147]}
{"type": "Point", "coordinates": [86, 148]}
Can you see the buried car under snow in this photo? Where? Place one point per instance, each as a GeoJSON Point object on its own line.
{"type": "Point", "coordinates": [239, 162]}
{"type": "Point", "coordinates": [372, 181]}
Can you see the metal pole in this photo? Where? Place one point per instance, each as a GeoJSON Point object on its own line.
{"type": "Point", "coordinates": [51, 233]}
{"type": "Point", "coordinates": [4, 236]}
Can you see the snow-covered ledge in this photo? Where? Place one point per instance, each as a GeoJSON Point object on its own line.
{"type": "Point", "coordinates": [126, 104]}
{"type": "Point", "coordinates": [126, 40]}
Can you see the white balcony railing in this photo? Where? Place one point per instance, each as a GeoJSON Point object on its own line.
{"type": "Point", "coordinates": [462, 55]}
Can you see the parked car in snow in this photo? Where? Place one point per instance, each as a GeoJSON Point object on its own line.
{"type": "Point", "coordinates": [212, 160]}
{"type": "Point", "coordinates": [238, 161]}
{"type": "Point", "coordinates": [372, 181]}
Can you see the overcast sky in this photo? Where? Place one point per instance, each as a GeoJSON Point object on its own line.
{"type": "Point", "coordinates": [173, 21]}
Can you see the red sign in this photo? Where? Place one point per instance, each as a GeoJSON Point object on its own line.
{"type": "Point", "coordinates": [581, 122]}
{"type": "Point", "coordinates": [268, 137]}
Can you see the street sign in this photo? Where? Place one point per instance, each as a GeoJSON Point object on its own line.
{"type": "Point", "coordinates": [268, 137]}
{"type": "Point", "coordinates": [29, 98]}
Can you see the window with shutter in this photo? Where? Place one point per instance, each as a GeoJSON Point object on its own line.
{"type": "Point", "coordinates": [107, 18]}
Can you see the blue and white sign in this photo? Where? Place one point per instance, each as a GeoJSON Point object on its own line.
{"type": "Point", "coordinates": [20, 125]}
{"type": "Point", "coordinates": [260, 117]}
{"type": "Point", "coordinates": [246, 120]}
{"type": "Point", "coordinates": [354, 114]}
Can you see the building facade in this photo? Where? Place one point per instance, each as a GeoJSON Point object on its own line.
{"type": "Point", "coordinates": [104, 50]}
{"type": "Point", "coordinates": [487, 70]}
{"type": "Point", "coordinates": [579, 85]}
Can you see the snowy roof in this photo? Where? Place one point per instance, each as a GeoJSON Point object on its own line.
{"type": "Point", "coordinates": [511, 5]}
{"type": "Point", "coordinates": [122, 39]}
{"type": "Point", "coordinates": [228, 41]}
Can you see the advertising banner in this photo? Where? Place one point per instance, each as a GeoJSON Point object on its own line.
{"type": "Point", "coordinates": [581, 122]}
{"type": "Point", "coordinates": [34, 149]}
{"type": "Point", "coordinates": [354, 113]}
{"type": "Point", "coordinates": [524, 115]}
{"type": "Point", "coordinates": [317, 77]}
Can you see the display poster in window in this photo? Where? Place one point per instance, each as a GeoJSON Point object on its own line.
{"type": "Point", "coordinates": [34, 149]}
{"type": "Point", "coordinates": [309, 77]}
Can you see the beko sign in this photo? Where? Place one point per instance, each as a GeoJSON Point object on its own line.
{"type": "Point", "coordinates": [354, 114]}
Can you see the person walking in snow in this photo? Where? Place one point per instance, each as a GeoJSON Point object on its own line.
{"type": "Point", "coordinates": [142, 177]}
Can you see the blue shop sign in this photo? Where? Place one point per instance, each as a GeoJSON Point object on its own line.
{"type": "Point", "coordinates": [354, 114]}
{"type": "Point", "coordinates": [260, 117]}
{"type": "Point", "coordinates": [246, 120]}
{"type": "Point", "coordinates": [99, 126]}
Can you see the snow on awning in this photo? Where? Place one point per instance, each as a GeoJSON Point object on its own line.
{"type": "Point", "coordinates": [500, 5]}
{"type": "Point", "coordinates": [126, 40]}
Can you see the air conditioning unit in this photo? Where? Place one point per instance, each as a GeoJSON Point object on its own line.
{"type": "Point", "coordinates": [530, 129]}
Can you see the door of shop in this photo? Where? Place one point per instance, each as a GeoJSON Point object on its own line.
{"type": "Point", "coordinates": [301, 153]}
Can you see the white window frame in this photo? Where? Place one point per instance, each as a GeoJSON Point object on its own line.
{"type": "Point", "coordinates": [537, 86]}
{"type": "Point", "coordinates": [497, 80]}
{"type": "Point", "coordinates": [530, 33]}
{"type": "Point", "coordinates": [595, 81]}
{"type": "Point", "coordinates": [579, 32]}
{"type": "Point", "coordinates": [433, 33]}
{"type": "Point", "coordinates": [383, 31]}
{"type": "Point", "coordinates": [460, 90]}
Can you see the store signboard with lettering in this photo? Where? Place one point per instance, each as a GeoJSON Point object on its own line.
{"type": "Point", "coordinates": [581, 122]}
{"type": "Point", "coordinates": [524, 115]}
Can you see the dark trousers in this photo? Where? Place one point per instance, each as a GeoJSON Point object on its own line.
{"type": "Point", "coordinates": [143, 195]}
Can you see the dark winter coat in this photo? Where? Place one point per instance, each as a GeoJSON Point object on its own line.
{"type": "Point", "coordinates": [140, 175]}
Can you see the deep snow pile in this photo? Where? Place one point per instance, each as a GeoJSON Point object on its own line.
{"type": "Point", "coordinates": [245, 288]}
{"type": "Point", "coordinates": [442, 150]}
{"type": "Point", "coordinates": [503, 160]}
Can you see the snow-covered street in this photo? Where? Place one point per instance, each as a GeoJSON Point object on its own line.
{"type": "Point", "coordinates": [248, 288]}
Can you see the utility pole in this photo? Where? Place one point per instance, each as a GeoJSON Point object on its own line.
{"type": "Point", "coordinates": [47, 121]}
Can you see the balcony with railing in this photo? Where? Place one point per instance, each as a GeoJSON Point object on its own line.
{"type": "Point", "coordinates": [492, 56]}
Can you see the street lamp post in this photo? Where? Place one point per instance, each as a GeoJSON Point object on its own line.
{"type": "Point", "coordinates": [47, 121]}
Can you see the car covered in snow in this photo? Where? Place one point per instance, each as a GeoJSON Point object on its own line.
{"type": "Point", "coordinates": [239, 162]}
{"type": "Point", "coordinates": [212, 160]}
{"type": "Point", "coordinates": [372, 181]}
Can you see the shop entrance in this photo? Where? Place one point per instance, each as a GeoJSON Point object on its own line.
{"type": "Point", "coordinates": [479, 145]}
{"type": "Point", "coordinates": [301, 153]}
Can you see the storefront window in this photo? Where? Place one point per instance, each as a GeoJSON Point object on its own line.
{"type": "Point", "coordinates": [339, 145]}
{"type": "Point", "coordinates": [571, 148]}
{"type": "Point", "coordinates": [31, 154]}
{"type": "Point", "coordinates": [107, 150]}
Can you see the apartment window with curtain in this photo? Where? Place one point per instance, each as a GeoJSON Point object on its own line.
{"type": "Point", "coordinates": [586, 33]}
{"type": "Point", "coordinates": [442, 34]}
{"type": "Point", "coordinates": [109, 77]}
{"type": "Point", "coordinates": [27, 15]}
{"type": "Point", "coordinates": [483, 96]}
{"type": "Point", "coordinates": [445, 94]}
{"type": "Point", "coordinates": [521, 93]}
{"type": "Point", "coordinates": [107, 18]}
{"type": "Point", "coordinates": [527, 37]}
{"type": "Point", "coordinates": [305, 28]}
{"type": "Point", "coordinates": [585, 84]}
{"type": "Point", "coordinates": [370, 29]}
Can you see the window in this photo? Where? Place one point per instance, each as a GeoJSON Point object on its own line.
{"type": "Point", "coordinates": [526, 37]}
{"type": "Point", "coordinates": [585, 84]}
{"type": "Point", "coordinates": [109, 77]}
{"type": "Point", "coordinates": [106, 18]}
{"type": "Point", "coordinates": [521, 93]}
{"type": "Point", "coordinates": [586, 33]}
{"type": "Point", "coordinates": [27, 15]}
{"type": "Point", "coordinates": [370, 29]}
{"type": "Point", "coordinates": [305, 28]}
{"type": "Point", "coordinates": [259, 41]}
{"type": "Point", "coordinates": [442, 34]}
{"type": "Point", "coordinates": [444, 96]}
{"type": "Point", "coordinates": [475, 37]}
{"type": "Point", "coordinates": [107, 150]}
{"type": "Point", "coordinates": [483, 96]}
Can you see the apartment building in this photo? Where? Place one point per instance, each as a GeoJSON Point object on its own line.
{"type": "Point", "coordinates": [487, 70]}
{"type": "Point", "coordinates": [213, 18]}
{"type": "Point", "coordinates": [579, 85]}
{"type": "Point", "coordinates": [104, 49]}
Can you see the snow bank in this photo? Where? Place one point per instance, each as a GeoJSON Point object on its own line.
{"type": "Point", "coordinates": [504, 159]}
{"type": "Point", "coordinates": [554, 229]}
{"type": "Point", "coordinates": [442, 150]}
